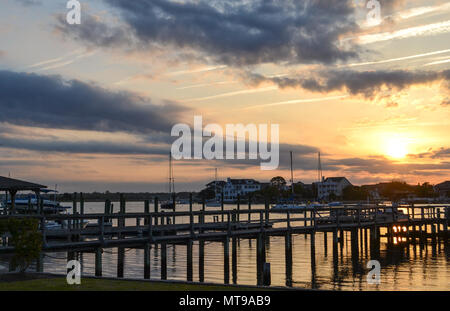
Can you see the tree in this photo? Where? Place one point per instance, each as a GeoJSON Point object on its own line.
{"type": "Point", "coordinates": [278, 182]}
{"type": "Point", "coordinates": [207, 194]}
{"type": "Point", "coordinates": [354, 193]}
{"type": "Point", "coordinates": [26, 239]}
{"type": "Point", "coordinates": [425, 190]}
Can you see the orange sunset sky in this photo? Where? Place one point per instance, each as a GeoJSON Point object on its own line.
{"type": "Point", "coordinates": [90, 107]}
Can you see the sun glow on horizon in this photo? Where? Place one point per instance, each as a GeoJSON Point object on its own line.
{"type": "Point", "coordinates": [396, 147]}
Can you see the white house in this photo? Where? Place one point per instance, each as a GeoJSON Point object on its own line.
{"type": "Point", "coordinates": [242, 187]}
{"type": "Point", "coordinates": [331, 185]}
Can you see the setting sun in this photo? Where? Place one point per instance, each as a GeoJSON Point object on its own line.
{"type": "Point", "coordinates": [396, 147]}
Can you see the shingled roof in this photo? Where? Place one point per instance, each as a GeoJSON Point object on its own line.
{"type": "Point", "coordinates": [8, 184]}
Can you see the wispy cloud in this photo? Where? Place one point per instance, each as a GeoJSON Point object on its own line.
{"type": "Point", "coordinates": [206, 85]}
{"type": "Point", "coordinates": [417, 31]}
{"type": "Point", "coordinates": [390, 60]}
{"type": "Point", "coordinates": [297, 101]}
{"type": "Point", "coordinates": [198, 70]}
{"type": "Point", "coordinates": [419, 11]}
{"type": "Point", "coordinates": [66, 62]}
{"type": "Point", "coordinates": [55, 60]}
{"type": "Point", "coordinates": [229, 94]}
{"type": "Point", "coordinates": [438, 62]}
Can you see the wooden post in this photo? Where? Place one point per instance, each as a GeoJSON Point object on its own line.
{"type": "Point", "coordinates": [325, 243]}
{"type": "Point", "coordinates": [201, 261]}
{"type": "Point", "coordinates": [146, 211]}
{"type": "Point", "coordinates": [163, 261]}
{"type": "Point", "coordinates": [249, 208]}
{"type": "Point", "coordinates": [226, 261]}
{"type": "Point", "coordinates": [433, 233]}
{"type": "Point", "coordinates": [203, 203]}
{"type": "Point", "coordinates": [120, 261]}
{"type": "Point", "coordinates": [234, 259]}
{"type": "Point", "coordinates": [201, 251]}
{"type": "Point", "coordinates": [190, 202]}
{"type": "Point", "coordinates": [156, 210]}
{"type": "Point", "coordinates": [147, 262]}
{"type": "Point", "coordinates": [43, 231]}
{"type": "Point", "coordinates": [238, 208]}
{"type": "Point", "coordinates": [288, 258]}
{"type": "Point", "coordinates": [222, 205]}
{"type": "Point", "coordinates": [354, 244]}
{"type": "Point", "coordinates": [335, 244]}
{"type": "Point", "coordinates": [174, 208]}
{"type": "Point", "coordinates": [361, 240]}
{"type": "Point", "coordinates": [259, 259]}
{"type": "Point", "coordinates": [365, 240]}
{"type": "Point", "coordinates": [40, 263]}
{"type": "Point", "coordinates": [107, 208]}
{"type": "Point", "coordinates": [102, 229]}
{"type": "Point", "coordinates": [313, 251]}
{"type": "Point", "coordinates": [122, 204]}
{"type": "Point", "coordinates": [98, 262]}
{"type": "Point", "coordinates": [74, 203]}
{"type": "Point", "coordinates": [305, 221]}
{"type": "Point", "coordinates": [189, 260]}
{"type": "Point", "coordinates": [81, 204]}
{"type": "Point", "coordinates": [266, 274]}
{"type": "Point", "coordinates": [266, 208]}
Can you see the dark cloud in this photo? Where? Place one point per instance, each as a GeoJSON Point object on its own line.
{"type": "Point", "coordinates": [95, 32]}
{"type": "Point", "coordinates": [433, 154]}
{"type": "Point", "coordinates": [365, 83]}
{"type": "Point", "coordinates": [89, 147]}
{"type": "Point", "coordinates": [29, 2]}
{"type": "Point", "coordinates": [382, 165]}
{"type": "Point", "coordinates": [52, 102]}
{"type": "Point", "coordinates": [229, 31]}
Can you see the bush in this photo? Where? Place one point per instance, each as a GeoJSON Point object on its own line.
{"type": "Point", "coordinates": [26, 239]}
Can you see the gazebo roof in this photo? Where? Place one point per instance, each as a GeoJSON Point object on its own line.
{"type": "Point", "coordinates": [10, 184]}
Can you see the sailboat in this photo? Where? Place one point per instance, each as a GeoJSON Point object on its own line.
{"type": "Point", "coordinates": [170, 204]}
{"type": "Point", "coordinates": [290, 205]}
{"type": "Point", "coordinates": [215, 202]}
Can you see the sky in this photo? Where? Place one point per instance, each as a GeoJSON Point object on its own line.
{"type": "Point", "coordinates": [90, 107]}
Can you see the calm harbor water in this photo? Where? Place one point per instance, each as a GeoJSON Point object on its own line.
{"type": "Point", "coordinates": [413, 267]}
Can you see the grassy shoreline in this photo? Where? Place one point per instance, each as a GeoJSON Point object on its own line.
{"type": "Point", "coordinates": [51, 282]}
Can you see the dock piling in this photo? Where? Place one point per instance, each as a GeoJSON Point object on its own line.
{"type": "Point", "coordinates": [147, 262]}
{"type": "Point", "coordinates": [98, 262]}
{"type": "Point", "coordinates": [226, 261]}
{"type": "Point", "coordinates": [189, 262]}
{"type": "Point", "coordinates": [163, 261]}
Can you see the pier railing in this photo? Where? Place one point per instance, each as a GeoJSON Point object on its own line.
{"type": "Point", "coordinates": [84, 232]}
{"type": "Point", "coordinates": [180, 225]}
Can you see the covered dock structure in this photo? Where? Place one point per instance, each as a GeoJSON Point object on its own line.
{"type": "Point", "coordinates": [12, 186]}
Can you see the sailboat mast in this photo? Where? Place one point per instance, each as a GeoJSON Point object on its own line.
{"type": "Point", "coordinates": [171, 179]}
{"type": "Point", "coordinates": [319, 169]}
{"type": "Point", "coordinates": [215, 183]}
{"type": "Point", "coordinates": [292, 175]}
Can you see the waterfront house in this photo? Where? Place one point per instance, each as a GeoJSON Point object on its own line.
{"type": "Point", "coordinates": [241, 187]}
{"type": "Point", "coordinates": [443, 189]}
{"type": "Point", "coordinates": [331, 187]}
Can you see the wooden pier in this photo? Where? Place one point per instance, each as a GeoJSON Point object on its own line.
{"type": "Point", "coordinates": [155, 228]}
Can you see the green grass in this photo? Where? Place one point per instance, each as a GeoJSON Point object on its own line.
{"type": "Point", "coordinates": [89, 284]}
